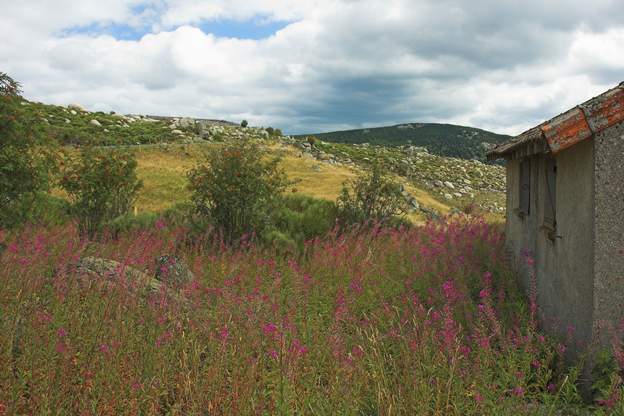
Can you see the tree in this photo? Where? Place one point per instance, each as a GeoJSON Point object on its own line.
{"type": "Point", "coordinates": [238, 189]}
{"type": "Point", "coordinates": [374, 197]}
{"type": "Point", "coordinates": [102, 185]}
{"type": "Point", "coordinates": [25, 163]}
{"type": "Point", "coordinates": [244, 123]}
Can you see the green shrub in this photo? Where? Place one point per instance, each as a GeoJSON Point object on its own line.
{"type": "Point", "coordinates": [301, 218]}
{"type": "Point", "coordinates": [102, 185]}
{"type": "Point", "coordinates": [130, 222]}
{"type": "Point", "coordinates": [49, 210]}
{"type": "Point", "coordinates": [315, 217]}
{"type": "Point", "coordinates": [237, 189]}
{"type": "Point", "coordinates": [244, 123]}
{"type": "Point", "coordinates": [25, 160]}
{"type": "Point", "coordinates": [374, 197]}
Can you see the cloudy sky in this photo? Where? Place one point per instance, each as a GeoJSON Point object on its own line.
{"type": "Point", "coordinates": [318, 65]}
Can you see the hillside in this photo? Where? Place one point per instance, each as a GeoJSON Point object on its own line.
{"type": "Point", "coordinates": [167, 147]}
{"type": "Point", "coordinates": [440, 139]}
{"type": "Point", "coordinates": [74, 125]}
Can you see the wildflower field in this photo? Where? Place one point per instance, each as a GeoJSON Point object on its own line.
{"type": "Point", "coordinates": [418, 321]}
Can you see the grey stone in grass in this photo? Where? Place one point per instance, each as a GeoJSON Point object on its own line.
{"type": "Point", "coordinates": [173, 270]}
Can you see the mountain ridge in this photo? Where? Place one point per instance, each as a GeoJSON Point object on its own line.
{"type": "Point", "coordinates": [442, 139]}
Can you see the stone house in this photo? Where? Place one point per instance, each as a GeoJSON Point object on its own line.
{"type": "Point", "coordinates": [565, 211]}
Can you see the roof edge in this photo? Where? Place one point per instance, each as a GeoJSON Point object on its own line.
{"type": "Point", "coordinates": [571, 127]}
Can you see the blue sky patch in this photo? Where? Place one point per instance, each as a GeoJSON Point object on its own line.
{"type": "Point", "coordinates": [118, 31]}
{"type": "Point", "coordinates": [250, 29]}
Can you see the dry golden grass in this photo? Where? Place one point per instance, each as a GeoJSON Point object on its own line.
{"type": "Point", "coordinates": [163, 172]}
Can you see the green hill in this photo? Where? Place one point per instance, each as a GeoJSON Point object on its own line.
{"type": "Point", "coordinates": [440, 139]}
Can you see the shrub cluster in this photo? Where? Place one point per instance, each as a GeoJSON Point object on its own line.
{"type": "Point", "coordinates": [237, 189]}
{"type": "Point", "coordinates": [25, 161]}
{"type": "Point", "coordinates": [102, 185]}
{"type": "Point", "coordinates": [372, 198]}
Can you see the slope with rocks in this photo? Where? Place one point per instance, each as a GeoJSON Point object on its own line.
{"type": "Point", "coordinates": [456, 182]}
{"type": "Point", "coordinates": [73, 125]}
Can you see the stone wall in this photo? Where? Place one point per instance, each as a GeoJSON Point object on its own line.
{"type": "Point", "coordinates": [609, 228]}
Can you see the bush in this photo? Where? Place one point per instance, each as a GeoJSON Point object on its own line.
{"type": "Point", "coordinates": [237, 189]}
{"type": "Point", "coordinates": [244, 123]}
{"type": "Point", "coordinates": [25, 162]}
{"type": "Point", "coordinates": [312, 140]}
{"type": "Point", "coordinates": [374, 197]}
{"type": "Point", "coordinates": [300, 219]}
{"type": "Point", "coordinates": [102, 185]}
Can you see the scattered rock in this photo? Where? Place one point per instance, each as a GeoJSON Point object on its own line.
{"type": "Point", "coordinates": [185, 123]}
{"type": "Point", "coordinates": [111, 269]}
{"type": "Point", "coordinates": [178, 132]}
{"type": "Point", "coordinates": [94, 122]}
{"type": "Point", "coordinates": [171, 269]}
{"type": "Point", "coordinates": [75, 107]}
{"type": "Point", "coordinates": [449, 185]}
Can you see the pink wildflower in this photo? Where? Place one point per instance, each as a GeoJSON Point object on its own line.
{"type": "Point", "coordinates": [61, 347]}
{"type": "Point", "coordinates": [224, 333]}
{"type": "Point", "coordinates": [269, 328]}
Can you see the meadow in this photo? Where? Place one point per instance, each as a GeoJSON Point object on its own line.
{"type": "Point", "coordinates": [419, 321]}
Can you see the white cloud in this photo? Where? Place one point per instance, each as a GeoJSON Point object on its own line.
{"type": "Point", "coordinates": [339, 63]}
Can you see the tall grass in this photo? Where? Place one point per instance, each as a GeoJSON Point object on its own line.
{"type": "Point", "coordinates": [425, 321]}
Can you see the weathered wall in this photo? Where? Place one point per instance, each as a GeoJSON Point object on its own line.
{"type": "Point", "coordinates": [565, 264]}
{"type": "Point", "coordinates": [609, 226]}
{"type": "Point", "coordinates": [564, 267]}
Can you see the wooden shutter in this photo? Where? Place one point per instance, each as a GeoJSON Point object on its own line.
{"type": "Point", "coordinates": [550, 202]}
{"type": "Point", "coordinates": [525, 187]}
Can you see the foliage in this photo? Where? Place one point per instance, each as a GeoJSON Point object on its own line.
{"type": "Point", "coordinates": [311, 140]}
{"type": "Point", "coordinates": [25, 161]}
{"type": "Point", "coordinates": [244, 123]}
{"type": "Point", "coordinates": [373, 197]}
{"type": "Point", "coordinates": [102, 184]}
{"type": "Point", "coordinates": [426, 321]}
{"type": "Point", "coordinates": [440, 139]}
{"type": "Point", "coordinates": [301, 219]}
{"type": "Point", "coordinates": [237, 190]}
